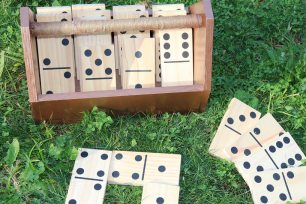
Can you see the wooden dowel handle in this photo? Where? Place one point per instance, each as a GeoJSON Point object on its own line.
{"type": "Point", "coordinates": [116, 25]}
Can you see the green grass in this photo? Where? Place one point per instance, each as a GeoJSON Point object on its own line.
{"type": "Point", "coordinates": [258, 56]}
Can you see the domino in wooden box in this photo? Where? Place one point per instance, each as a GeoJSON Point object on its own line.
{"type": "Point", "coordinates": [68, 107]}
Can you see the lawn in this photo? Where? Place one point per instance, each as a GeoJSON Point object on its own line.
{"type": "Point", "coordinates": [258, 57]}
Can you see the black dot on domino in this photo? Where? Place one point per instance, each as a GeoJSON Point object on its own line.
{"type": "Point", "coordinates": [104, 156]}
{"type": "Point", "coordinates": [282, 196]}
{"type": "Point", "coordinates": [98, 9]}
{"type": "Point", "coordinates": [280, 134]}
{"type": "Point", "coordinates": [107, 52]}
{"type": "Point", "coordinates": [256, 131]}
{"type": "Point", "coordinates": [160, 75]}
{"type": "Point", "coordinates": [298, 157]}
{"type": "Point", "coordinates": [72, 201]}
{"type": "Point", "coordinates": [185, 36]}
{"type": "Point", "coordinates": [115, 174]}
{"type": "Point", "coordinates": [119, 156]}
{"type": "Point", "coordinates": [264, 199]}
{"type": "Point", "coordinates": [65, 42]}
{"type": "Point", "coordinates": [88, 71]}
{"type": "Point", "coordinates": [138, 10]}
{"type": "Point", "coordinates": [276, 176]}
{"type": "Point", "coordinates": [64, 12]}
{"type": "Point", "coordinates": [161, 168]}
{"type": "Point", "coordinates": [84, 154]}
{"type": "Point", "coordinates": [185, 45]}
{"type": "Point", "coordinates": [47, 61]}
{"type": "Point", "coordinates": [167, 46]}
{"type": "Point", "coordinates": [283, 165]}
{"type": "Point", "coordinates": [279, 144]}
{"type": "Point", "coordinates": [80, 171]}
{"type": "Point", "coordinates": [230, 121]}
{"type": "Point", "coordinates": [242, 118]}
{"type": "Point", "coordinates": [247, 152]}
{"type": "Point", "coordinates": [49, 92]}
{"type": "Point", "coordinates": [142, 16]}
{"type": "Point", "coordinates": [291, 161]}
{"type": "Point", "coordinates": [135, 176]}
{"type": "Point", "coordinates": [67, 75]}
{"type": "Point", "coordinates": [142, 31]}
{"type": "Point", "coordinates": [160, 200]}
{"type": "Point", "coordinates": [87, 53]}
{"type": "Point", "coordinates": [257, 179]}
{"type": "Point", "coordinates": [108, 71]}
{"type": "Point", "coordinates": [133, 36]}
{"type": "Point", "coordinates": [259, 168]}
{"type": "Point", "coordinates": [100, 173]}
{"type": "Point", "coordinates": [64, 19]}
{"type": "Point", "coordinates": [234, 150]}
{"type": "Point", "coordinates": [185, 54]}
{"type": "Point", "coordinates": [138, 158]}
{"type": "Point", "coordinates": [166, 36]}
{"type": "Point", "coordinates": [138, 54]}
{"type": "Point", "coordinates": [253, 115]}
{"type": "Point", "coordinates": [246, 165]}
{"type": "Point", "coordinates": [98, 62]}
{"type": "Point", "coordinates": [167, 55]}
{"type": "Point", "coordinates": [123, 32]}
{"type": "Point", "coordinates": [286, 140]}
{"type": "Point", "coordinates": [138, 86]}
{"type": "Point", "coordinates": [290, 174]}
{"type": "Point", "coordinates": [272, 149]}
{"type": "Point", "coordinates": [270, 188]}
{"type": "Point", "coordinates": [97, 187]}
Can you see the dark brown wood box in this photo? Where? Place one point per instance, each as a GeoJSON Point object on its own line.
{"type": "Point", "coordinates": [68, 108]}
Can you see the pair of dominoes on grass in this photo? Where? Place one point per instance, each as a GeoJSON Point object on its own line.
{"type": "Point", "coordinates": [94, 169]}
{"type": "Point", "coordinates": [266, 156]}
{"type": "Point", "coordinates": [92, 59]}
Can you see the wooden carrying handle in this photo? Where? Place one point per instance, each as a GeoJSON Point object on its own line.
{"type": "Point", "coordinates": [117, 25]}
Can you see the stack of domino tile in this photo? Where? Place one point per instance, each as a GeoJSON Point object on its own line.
{"type": "Point", "coordinates": [266, 156]}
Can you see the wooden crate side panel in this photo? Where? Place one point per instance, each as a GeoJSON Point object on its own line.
{"type": "Point", "coordinates": [30, 54]}
{"type": "Point", "coordinates": [203, 49]}
{"type": "Point", "coordinates": [69, 111]}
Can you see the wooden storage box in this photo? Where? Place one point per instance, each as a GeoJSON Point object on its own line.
{"type": "Point", "coordinates": [67, 108]}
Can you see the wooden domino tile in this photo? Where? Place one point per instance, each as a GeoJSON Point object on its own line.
{"type": "Point", "coordinates": [160, 12]}
{"type": "Point", "coordinates": [97, 68]}
{"type": "Point", "coordinates": [264, 131]}
{"type": "Point", "coordinates": [89, 177]}
{"type": "Point", "coordinates": [176, 55]}
{"type": "Point", "coordinates": [279, 154]}
{"type": "Point", "coordinates": [238, 119]}
{"type": "Point", "coordinates": [168, 7]}
{"type": "Point", "coordinates": [138, 168]}
{"type": "Point", "coordinates": [56, 57]}
{"type": "Point", "coordinates": [160, 193]}
{"type": "Point", "coordinates": [138, 63]}
{"type": "Point", "coordinates": [89, 12]}
{"type": "Point", "coordinates": [128, 12]}
{"type": "Point", "coordinates": [278, 186]}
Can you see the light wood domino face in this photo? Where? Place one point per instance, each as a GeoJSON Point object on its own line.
{"type": "Point", "coordinates": [138, 63]}
{"type": "Point", "coordinates": [278, 186]}
{"type": "Point", "coordinates": [56, 58]}
{"type": "Point", "coordinates": [138, 168]}
{"type": "Point", "coordinates": [161, 11]}
{"type": "Point", "coordinates": [98, 68]}
{"type": "Point", "coordinates": [264, 131]}
{"type": "Point", "coordinates": [89, 177]}
{"type": "Point", "coordinates": [176, 54]}
{"type": "Point", "coordinates": [238, 119]}
{"type": "Point", "coordinates": [282, 153]}
{"type": "Point", "coordinates": [155, 193]}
